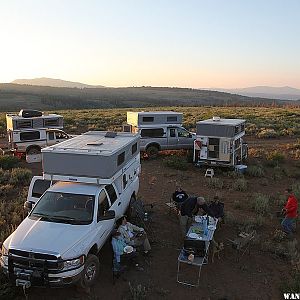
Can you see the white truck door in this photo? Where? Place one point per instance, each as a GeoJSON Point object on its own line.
{"type": "Point", "coordinates": [104, 227]}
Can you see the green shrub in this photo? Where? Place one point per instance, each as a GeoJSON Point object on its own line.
{"type": "Point", "coordinates": [237, 204]}
{"type": "Point", "coordinates": [6, 189]}
{"type": "Point", "coordinates": [255, 171]}
{"type": "Point", "coordinates": [296, 190]}
{"type": "Point", "coordinates": [20, 176]}
{"type": "Point", "coordinates": [267, 133]}
{"type": "Point", "coordinates": [138, 292]}
{"type": "Point", "coordinates": [176, 162]}
{"type": "Point", "coordinates": [260, 203]}
{"type": "Point", "coordinates": [275, 156]}
{"type": "Point", "coordinates": [8, 162]}
{"type": "Point", "coordinates": [4, 176]}
{"type": "Point", "coordinates": [292, 285]}
{"type": "Point", "coordinates": [240, 185]}
{"type": "Point", "coordinates": [215, 183]}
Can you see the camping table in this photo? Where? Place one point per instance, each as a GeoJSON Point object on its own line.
{"type": "Point", "coordinates": [198, 262]}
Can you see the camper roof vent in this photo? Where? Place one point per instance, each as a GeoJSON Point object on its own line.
{"type": "Point", "coordinates": [110, 134]}
{"type": "Point", "coordinates": [216, 119]}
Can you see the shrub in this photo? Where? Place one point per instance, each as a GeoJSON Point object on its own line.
{"type": "Point", "coordinates": [275, 156]}
{"type": "Point", "coordinates": [176, 162]}
{"type": "Point", "coordinates": [260, 204]}
{"type": "Point", "coordinates": [237, 204]}
{"type": "Point", "coordinates": [4, 176]}
{"type": "Point", "coordinates": [292, 285]}
{"type": "Point", "coordinates": [249, 224]}
{"type": "Point", "coordinates": [215, 183]}
{"type": "Point", "coordinates": [255, 171]}
{"type": "Point", "coordinates": [240, 185]}
{"type": "Point", "coordinates": [138, 292]}
{"type": "Point", "coordinates": [296, 190]}
{"type": "Point", "coordinates": [267, 133]}
{"type": "Point", "coordinates": [5, 190]}
{"type": "Point", "coordinates": [8, 162]}
{"type": "Point", "coordinates": [20, 176]}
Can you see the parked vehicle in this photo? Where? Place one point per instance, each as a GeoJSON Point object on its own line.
{"type": "Point", "coordinates": [220, 142]}
{"type": "Point", "coordinates": [89, 182]}
{"type": "Point", "coordinates": [30, 131]}
{"type": "Point", "coordinates": [160, 130]}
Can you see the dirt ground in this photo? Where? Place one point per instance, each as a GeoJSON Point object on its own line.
{"type": "Point", "coordinates": [255, 276]}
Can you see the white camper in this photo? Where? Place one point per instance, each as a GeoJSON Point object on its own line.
{"type": "Point", "coordinates": [220, 142]}
{"type": "Point", "coordinates": [29, 131]}
{"type": "Point", "coordinates": [159, 130]}
{"type": "Point", "coordinates": [89, 183]}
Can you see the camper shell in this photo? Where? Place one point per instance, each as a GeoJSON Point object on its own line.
{"type": "Point", "coordinates": [159, 130]}
{"type": "Point", "coordinates": [17, 122]}
{"type": "Point", "coordinates": [91, 156]}
{"type": "Point", "coordinates": [220, 142]}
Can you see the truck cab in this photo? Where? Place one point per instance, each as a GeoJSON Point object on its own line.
{"type": "Point", "coordinates": [72, 216]}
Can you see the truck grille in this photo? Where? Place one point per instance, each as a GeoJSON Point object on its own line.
{"type": "Point", "coordinates": [35, 261]}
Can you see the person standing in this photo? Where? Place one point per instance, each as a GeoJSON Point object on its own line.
{"type": "Point", "coordinates": [189, 208]}
{"type": "Point", "coordinates": [290, 210]}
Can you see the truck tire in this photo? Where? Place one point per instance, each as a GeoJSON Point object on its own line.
{"type": "Point", "coordinates": [152, 151]}
{"type": "Point", "coordinates": [90, 271]}
{"type": "Point", "coordinates": [33, 150]}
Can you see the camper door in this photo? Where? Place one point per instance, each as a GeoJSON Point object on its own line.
{"type": "Point", "coordinates": [224, 149]}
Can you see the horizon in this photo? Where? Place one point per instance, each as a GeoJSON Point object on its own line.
{"type": "Point", "coordinates": [199, 45]}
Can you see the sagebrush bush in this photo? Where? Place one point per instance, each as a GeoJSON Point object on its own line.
{"type": "Point", "coordinates": [176, 162]}
{"type": "Point", "coordinates": [240, 184]}
{"type": "Point", "coordinates": [296, 189]}
{"type": "Point", "coordinates": [8, 162]}
{"type": "Point", "coordinates": [6, 189]}
{"type": "Point", "coordinates": [275, 155]}
{"type": "Point", "coordinates": [215, 183]}
{"type": "Point", "coordinates": [4, 176]}
{"type": "Point", "coordinates": [267, 133]}
{"type": "Point", "coordinates": [20, 176]}
{"type": "Point", "coordinates": [255, 171]}
{"type": "Point", "coordinates": [261, 203]}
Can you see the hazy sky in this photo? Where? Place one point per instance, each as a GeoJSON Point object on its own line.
{"type": "Point", "coordinates": [212, 43]}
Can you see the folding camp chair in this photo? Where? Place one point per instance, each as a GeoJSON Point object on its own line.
{"type": "Point", "coordinates": [141, 214]}
{"type": "Point", "coordinates": [243, 243]}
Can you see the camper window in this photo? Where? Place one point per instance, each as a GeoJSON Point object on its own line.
{"type": "Point", "coordinates": [30, 136]}
{"type": "Point", "coordinates": [24, 124]}
{"type": "Point", "coordinates": [103, 205]}
{"type": "Point", "coordinates": [134, 148]}
{"type": "Point", "coordinates": [111, 193]}
{"type": "Point", "coordinates": [148, 119]}
{"type": "Point", "coordinates": [152, 133]}
{"type": "Point", "coordinates": [121, 158]}
{"type": "Point", "coordinates": [172, 119]}
{"type": "Point", "coordinates": [51, 122]}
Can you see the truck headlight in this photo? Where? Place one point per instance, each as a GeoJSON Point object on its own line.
{"type": "Point", "coordinates": [73, 263]}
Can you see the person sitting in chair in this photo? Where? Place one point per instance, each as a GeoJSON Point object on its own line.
{"type": "Point", "coordinates": [217, 208]}
{"type": "Point", "coordinates": [133, 235]}
{"type": "Point", "coordinates": [179, 196]}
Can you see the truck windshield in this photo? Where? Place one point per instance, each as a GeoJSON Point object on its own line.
{"type": "Point", "coordinates": [64, 208]}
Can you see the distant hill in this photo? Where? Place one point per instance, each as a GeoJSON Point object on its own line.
{"type": "Point", "coordinates": [283, 93]}
{"type": "Point", "coordinates": [13, 97]}
{"type": "Point", "coordinates": [43, 81]}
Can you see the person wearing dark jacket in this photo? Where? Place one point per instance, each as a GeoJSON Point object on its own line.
{"type": "Point", "coordinates": [179, 196]}
{"type": "Point", "coordinates": [190, 207]}
{"type": "Point", "coordinates": [290, 210]}
{"type": "Point", "coordinates": [217, 208]}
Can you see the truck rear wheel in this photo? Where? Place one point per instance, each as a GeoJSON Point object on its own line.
{"type": "Point", "coordinates": [90, 272]}
{"type": "Point", "coordinates": [33, 151]}
{"type": "Point", "coordinates": [152, 151]}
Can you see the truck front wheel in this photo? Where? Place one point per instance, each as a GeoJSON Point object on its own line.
{"type": "Point", "coordinates": [90, 272]}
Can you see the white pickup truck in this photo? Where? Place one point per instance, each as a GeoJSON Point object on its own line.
{"type": "Point", "coordinates": [58, 242]}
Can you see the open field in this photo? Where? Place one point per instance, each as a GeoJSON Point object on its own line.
{"type": "Point", "coordinates": [251, 202]}
{"type": "Point", "coordinates": [261, 121]}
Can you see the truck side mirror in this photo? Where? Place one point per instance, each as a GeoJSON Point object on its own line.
{"type": "Point", "coordinates": [108, 215]}
{"type": "Point", "coordinates": [28, 206]}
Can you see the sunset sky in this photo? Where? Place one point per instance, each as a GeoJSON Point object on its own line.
{"type": "Point", "coordinates": [211, 43]}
